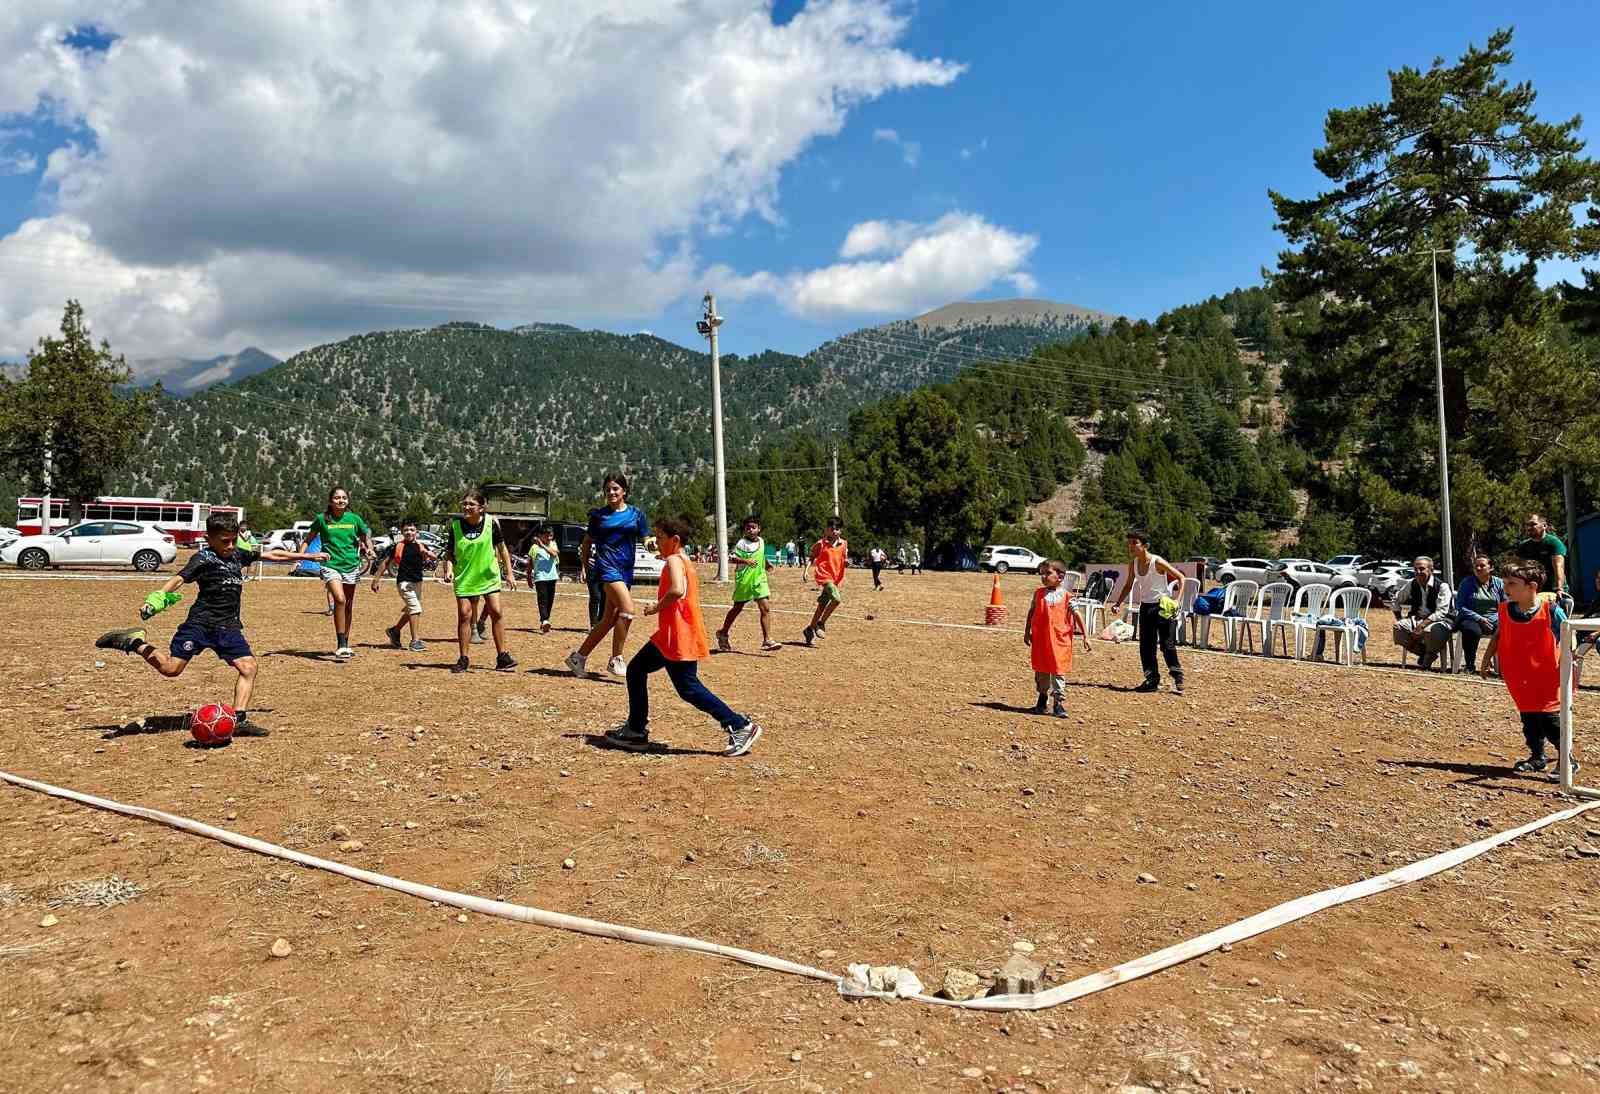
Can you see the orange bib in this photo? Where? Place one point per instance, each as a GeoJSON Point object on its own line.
{"type": "Point", "coordinates": [1053, 625]}
{"type": "Point", "coordinates": [1530, 663]}
{"type": "Point", "coordinates": [680, 633]}
{"type": "Point", "coordinates": [828, 561]}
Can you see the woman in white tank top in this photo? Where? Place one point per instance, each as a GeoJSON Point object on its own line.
{"type": "Point", "coordinates": [1149, 579]}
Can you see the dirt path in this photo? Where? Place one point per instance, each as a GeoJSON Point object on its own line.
{"type": "Point", "coordinates": [898, 811]}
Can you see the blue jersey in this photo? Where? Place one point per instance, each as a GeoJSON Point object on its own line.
{"type": "Point", "coordinates": [615, 534]}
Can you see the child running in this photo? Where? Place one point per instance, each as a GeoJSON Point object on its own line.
{"type": "Point", "coordinates": [409, 556]}
{"type": "Point", "coordinates": [1528, 644]}
{"type": "Point", "coordinates": [213, 622]}
{"type": "Point", "coordinates": [679, 642]}
{"type": "Point", "coordinates": [475, 557]}
{"type": "Point", "coordinates": [750, 583]}
{"type": "Point", "coordinates": [347, 541]}
{"type": "Point", "coordinates": [615, 531]}
{"type": "Point", "coordinates": [544, 568]}
{"type": "Point", "coordinates": [829, 559]}
{"type": "Point", "coordinates": [1048, 632]}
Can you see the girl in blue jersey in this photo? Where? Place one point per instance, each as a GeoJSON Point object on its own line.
{"type": "Point", "coordinates": [615, 531]}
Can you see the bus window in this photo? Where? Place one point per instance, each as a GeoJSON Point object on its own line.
{"type": "Point", "coordinates": [26, 513]}
{"type": "Point", "coordinates": [124, 512]}
{"type": "Point", "coordinates": [149, 514]}
{"type": "Point", "coordinates": [171, 514]}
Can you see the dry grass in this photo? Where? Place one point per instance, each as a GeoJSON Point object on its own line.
{"type": "Point", "coordinates": [99, 892]}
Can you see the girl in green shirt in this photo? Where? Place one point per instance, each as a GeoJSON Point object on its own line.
{"type": "Point", "coordinates": [476, 562]}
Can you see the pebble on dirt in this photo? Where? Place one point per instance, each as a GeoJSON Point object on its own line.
{"type": "Point", "coordinates": [351, 845]}
{"type": "Point", "coordinates": [281, 948]}
{"type": "Point", "coordinates": [961, 985]}
{"type": "Point", "coordinates": [1019, 976]}
{"type": "Point", "coordinates": [569, 864]}
{"type": "Point", "coordinates": [1147, 879]}
{"type": "Point", "coordinates": [49, 921]}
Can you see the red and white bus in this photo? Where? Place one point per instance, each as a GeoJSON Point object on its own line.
{"type": "Point", "coordinates": [184, 521]}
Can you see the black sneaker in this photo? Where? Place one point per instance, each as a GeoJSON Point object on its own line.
{"type": "Point", "coordinates": [244, 727]}
{"type": "Point", "coordinates": [1532, 763]}
{"type": "Point", "coordinates": [1149, 686]}
{"type": "Point", "coordinates": [504, 663]}
{"type": "Point", "coordinates": [628, 739]}
{"type": "Point", "coordinates": [1177, 685]}
{"type": "Point", "coordinates": [461, 665]}
{"type": "Point", "coordinates": [811, 636]}
{"type": "Point", "coordinates": [394, 636]}
{"type": "Point", "coordinates": [1058, 711]}
{"type": "Point", "coordinates": [127, 641]}
{"type": "Point", "coordinates": [1038, 708]}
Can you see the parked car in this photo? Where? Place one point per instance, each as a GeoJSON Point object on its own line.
{"type": "Point", "coordinates": [1346, 564]}
{"type": "Point", "coordinates": [647, 565]}
{"type": "Point", "coordinates": [1206, 566]}
{"type": "Point", "coordinates": [8, 534]}
{"type": "Point", "coordinates": [1000, 559]}
{"type": "Point", "coordinates": [1242, 569]}
{"type": "Point", "coordinates": [1389, 582]}
{"type": "Point", "coordinates": [1369, 575]}
{"type": "Point", "coordinates": [94, 543]}
{"type": "Point", "coordinates": [1299, 571]}
{"type": "Point", "coordinates": [281, 539]}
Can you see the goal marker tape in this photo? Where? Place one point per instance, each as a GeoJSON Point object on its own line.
{"type": "Point", "coordinates": [1260, 923]}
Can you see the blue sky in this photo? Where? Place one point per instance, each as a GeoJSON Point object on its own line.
{"type": "Point", "coordinates": [1116, 158]}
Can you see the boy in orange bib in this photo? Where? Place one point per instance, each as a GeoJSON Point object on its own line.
{"type": "Point", "coordinates": [1528, 645]}
{"type": "Point", "coordinates": [1048, 632]}
{"type": "Point", "coordinates": [679, 642]}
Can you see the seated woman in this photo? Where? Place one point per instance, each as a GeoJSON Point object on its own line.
{"type": "Point", "coordinates": [1478, 607]}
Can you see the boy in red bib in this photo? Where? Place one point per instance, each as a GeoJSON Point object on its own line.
{"type": "Point", "coordinates": [679, 642]}
{"type": "Point", "coordinates": [1048, 632]}
{"type": "Point", "coordinates": [1528, 645]}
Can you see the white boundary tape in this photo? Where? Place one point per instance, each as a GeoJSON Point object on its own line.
{"type": "Point", "coordinates": [1177, 954]}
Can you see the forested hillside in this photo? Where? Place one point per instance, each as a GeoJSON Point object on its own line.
{"type": "Point", "coordinates": [1167, 408]}
{"type": "Point", "coordinates": [425, 412]}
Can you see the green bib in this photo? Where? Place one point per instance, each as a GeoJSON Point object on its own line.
{"type": "Point", "coordinates": [477, 569]}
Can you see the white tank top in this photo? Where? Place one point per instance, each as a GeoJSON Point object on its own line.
{"type": "Point", "coordinates": [1150, 586]}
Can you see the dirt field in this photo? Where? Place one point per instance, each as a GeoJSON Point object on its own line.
{"type": "Point", "coordinates": [900, 809]}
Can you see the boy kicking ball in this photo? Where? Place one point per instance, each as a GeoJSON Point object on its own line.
{"type": "Point", "coordinates": [1528, 644]}
{"type": "Point", "coordinates": [679, 642]}
{"type": "Point", "coordinates": [213, 623]}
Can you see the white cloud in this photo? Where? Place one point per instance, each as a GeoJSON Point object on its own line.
{"type": "Point", "coordinates": [969, 151]}
{"type": "Point", "coordinates": [280, 173]}
{"type": "Point", "coordinates": [927, 265]}
{"type": "Point", "coordinates": [910, 151]}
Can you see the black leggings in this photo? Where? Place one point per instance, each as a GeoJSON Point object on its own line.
{"type": "Point", "coordinates": [877, 569]}
{"type": "Point", "coordinates": [1154, 629]}
{"type": "Point", "coordinates": [546, 591]}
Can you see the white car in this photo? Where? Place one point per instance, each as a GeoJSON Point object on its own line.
{"type": "Point", "coordinates": [8, 534]}
{"type": "Point", "coordinates": [1346, 564]}
{"type": "Point", "coordinates": [1242, 569]}
{"type": "Point", "coordinates": [1299, 571]}
{"type": "Point", "coordinates": [281, 539]}
{"type": "Point", "coordinates": [1373, 575]}
{"type": "Point", "coordinates": [647, 566]}
{"type": "Point", "coordinates": [1000, 559]}
{"type": "Point", "coordinates": [94, 543]}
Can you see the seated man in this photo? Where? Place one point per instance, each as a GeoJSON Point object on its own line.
{"type": "Point", "coordinates": [1422, 619]}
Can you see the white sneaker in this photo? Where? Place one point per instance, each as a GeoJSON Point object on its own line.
{"type": "Point", "coordinates": [617, 667]}
{"type": "Point", "coordinates": [575, 663]}
{"type": "Point", "coordinates": [344, 653]}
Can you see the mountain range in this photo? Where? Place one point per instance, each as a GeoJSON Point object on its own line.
{"type": "Point", "coordinates": [185, 375]}
{"type": "Point", "coordinates": [430, 410]}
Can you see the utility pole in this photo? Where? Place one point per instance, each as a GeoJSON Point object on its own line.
{"type": "Point", "coordinates": [1444, 457]}
{"type": "Point", "coordinates": [45, 504]}
{"type": "Point", "coordinates": [709, 322]}
{"type": "Point", "coordinates": [835, 480]}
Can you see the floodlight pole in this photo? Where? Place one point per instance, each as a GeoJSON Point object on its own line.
{"type": "Point", "coordinates": [835, 480]}
{"type": "Point", "coordinates": [45, 504]}
{"type": "Point", "coordinates": [1444, 456]}
{"type": "Point", "coordinates": [707, 326]}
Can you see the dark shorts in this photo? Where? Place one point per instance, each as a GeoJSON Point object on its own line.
{"type": "Point", "coordinates": [226, 642]}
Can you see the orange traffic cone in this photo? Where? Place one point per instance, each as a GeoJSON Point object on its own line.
{"type": "Point", "coordinates": [996, 613]}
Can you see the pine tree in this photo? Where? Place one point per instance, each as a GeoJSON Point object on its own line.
{"type": "Point", "coordinates": [72, 402]}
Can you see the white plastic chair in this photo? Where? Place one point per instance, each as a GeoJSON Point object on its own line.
{"type": "Point", "coordinates": [1188, 623]}
{"type": "Point", "coordinates": [1349, 605]}
{"type": "Point", "coordinates": [1310, 605]}
{"type": "Point", "coordinates": [1240, 596]}
{"type": "Point", "coordinates": [1073, 581]}
{"type": "Point", "coordinates": [1271, 608]}
{"type": "Point", "coordinates": [1451, 653]}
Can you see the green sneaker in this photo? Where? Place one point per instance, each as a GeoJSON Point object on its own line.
{"type": "Point", "coordinates": [127, 641]}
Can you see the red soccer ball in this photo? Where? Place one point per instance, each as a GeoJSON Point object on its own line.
{"type": "Point", "coordinates": [213, 724]}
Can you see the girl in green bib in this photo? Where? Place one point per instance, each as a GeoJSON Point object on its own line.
{"type": "Point", "coordinates": [475, 558]}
